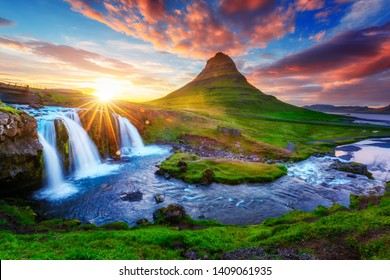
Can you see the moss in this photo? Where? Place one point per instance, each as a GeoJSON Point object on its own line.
{"type": "Point", "coordinates": [208, 170]}
{"type": "Point", "coordinates": [116, 226]}
{"type": "Point", "coordinates": [9, 109]}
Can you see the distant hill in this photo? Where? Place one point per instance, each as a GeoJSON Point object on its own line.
{"type": "Point", "coordinates": [349, 109]}
{"type": "Point", "coordinates": [220, 87]}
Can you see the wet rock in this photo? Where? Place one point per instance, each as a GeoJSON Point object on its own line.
{"type": "Point", "coordinates": [159, 198]}
{"type": "Point", "coordinates": [173, 213]}
{"type": "Point", "coordinates": [352, 167]}
{"type": "Point", "coordinates": [132, 196]}
{"type": "Point", "coordinates": [351, 175]}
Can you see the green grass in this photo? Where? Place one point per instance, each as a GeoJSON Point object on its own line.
{"type": "Point", "coordinates": [8, 109]}
{"type": "Point", "coordinates": [325, 233]}
{"type": "Point", "coordinates": [193, 169]}
{"type": "Point", "coordinates": [223, 98]}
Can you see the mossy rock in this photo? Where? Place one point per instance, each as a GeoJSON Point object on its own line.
{"type": "Point", "coordinates": [207, 177]}
{"type": "Point", "coordinates": [172, 214]}
{"type": "Point", "coordinates": [116, 226]}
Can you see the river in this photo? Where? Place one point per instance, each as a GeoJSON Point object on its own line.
{"type": "Point", "coordinates": [99, 198]}
{"type": "Point", "coordinates": [308, 184]}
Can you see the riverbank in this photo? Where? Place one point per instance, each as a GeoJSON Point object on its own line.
{"type": "Point", "coordinates": [361, 232]}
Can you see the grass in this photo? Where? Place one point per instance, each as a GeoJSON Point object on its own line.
{"type": "Point", "coordinates": [193, 169]}
{"type": "Point", "coordinates": [221, 97]}
{"type": "Point", "coordinates": [8, 109]}
{"type": "Point", "coordinates": [325, 233]}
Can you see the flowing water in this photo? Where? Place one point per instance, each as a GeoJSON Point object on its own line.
{"type": "Point", "coordinates": [97, 196]}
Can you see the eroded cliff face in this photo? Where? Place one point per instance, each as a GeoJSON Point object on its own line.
{"type": "Point", "coordinates": [21, 163]}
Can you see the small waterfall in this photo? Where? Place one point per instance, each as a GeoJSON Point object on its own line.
{"type": "Point", "coordinates": [131, 141]}
{"type": "Point", "coordinates": [84, 156]}
{"type": "Point", "coordinates": [55, 183]}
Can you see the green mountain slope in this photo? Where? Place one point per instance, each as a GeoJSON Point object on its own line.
{"type": "Point", "coordinates": [220, 87]}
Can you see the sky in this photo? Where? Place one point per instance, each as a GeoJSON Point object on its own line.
{"type": "Point", "coordinates": [301, 51]}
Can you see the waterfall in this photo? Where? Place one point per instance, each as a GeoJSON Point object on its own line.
{"type": "Point", "coordinates": [84, 156]}
{"type": "Point", "coordinates": [131, 141]}
{"type": "Point", "coordinates": [55, 183]}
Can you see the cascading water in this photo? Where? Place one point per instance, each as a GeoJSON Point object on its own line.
{"type": "Point", "coordinates": [84, 156]}
{"type": "Point", "coordinates": [56, 186]}
{"type": "Point", "coordinates": [131, 141]}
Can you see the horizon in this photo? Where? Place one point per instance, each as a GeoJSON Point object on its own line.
{"type": "Point", "coordinates": [303, 52]}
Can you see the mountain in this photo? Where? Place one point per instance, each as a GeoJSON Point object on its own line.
{"type": "Point", "coordinates": [349, 109]}
{"type": "Point", "coordinates": [220, 87]}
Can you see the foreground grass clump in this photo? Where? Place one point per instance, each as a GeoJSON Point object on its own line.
{"type": "Point", "coordinates": [325, 233]}
{"type": "Point", "coordinates": [193, 169]}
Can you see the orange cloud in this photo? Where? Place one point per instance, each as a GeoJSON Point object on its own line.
{"type": "Point", "coordinates": [197, 29]}
{"type": "Point", "coordinates": [309, 5]}
{"type": "Point", "coordinates": [319, 36]}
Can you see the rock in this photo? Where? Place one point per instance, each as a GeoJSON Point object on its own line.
{"type": "Point", "coordinates": [229, 131]}
{"type": "Point", "coordinates": [182, 165]}
{"type": "Point", "coordinates": [132, 196]}
{"type": "Point", "coordinates": [171, 214]}
{"type": "Point", "coordinates": [351, 175]}
{"type": "Point", "coordinates": [207, 177]}
{"type": "Point", "coordinates": [21, 154]}
{"type": "Point", "coordinates": [142, 221]}
{"type": "Point", "coordinates": [352, 167]}
{"type": "Point", "coordinates": [159, 198]}
{"type": "Point", "coordinates": [190, 254]}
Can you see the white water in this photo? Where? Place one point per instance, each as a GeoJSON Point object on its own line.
{"type": "Point", "coordinates": [131, 141]}
{"type": "Point", "coordinates": [56, 186]}
{"type": "Point", "coordinates": [84, 156]}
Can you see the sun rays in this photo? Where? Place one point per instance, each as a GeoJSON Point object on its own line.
{"type": "Point", "coordinates": [102, 112]}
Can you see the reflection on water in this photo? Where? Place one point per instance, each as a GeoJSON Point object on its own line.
{"type": "Point", "coordinates": [375, 153]}
{"type": "Point", "coordinates": [308, 184]}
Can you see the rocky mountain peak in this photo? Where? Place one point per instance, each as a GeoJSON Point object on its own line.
{"type": "Point", "coordinates": [219, 66]}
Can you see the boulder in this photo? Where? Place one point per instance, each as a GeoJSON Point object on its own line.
{"type": "Point", "coordinates": [352, 167]}
{"type": "Point", "coordinates": [132, 196]}
{"type": "Point", "coordinates": [207, 177]}
{"type": "Point", "coordinates": [159, 198]}
{"type": "Point", "coordinates": [229, 131]}
{"type": "Point", "coordinates": [172, 214]}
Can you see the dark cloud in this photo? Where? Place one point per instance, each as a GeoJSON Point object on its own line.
{"type": "Point", "coordinates": [6, 22]}
{"type": "Point", "coordinates": [367, 48]}
{"type": "Point", "coordinates": [351, 68]}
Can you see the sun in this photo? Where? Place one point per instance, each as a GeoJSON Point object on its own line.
{"type": "Point", "coordinates": [107, 89]}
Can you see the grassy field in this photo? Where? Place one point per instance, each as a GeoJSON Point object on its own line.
{"type": "Point", "coordinates": [362, 232]}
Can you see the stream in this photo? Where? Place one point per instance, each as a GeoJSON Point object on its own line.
{"type": "Point", "coordinates": [98, 196]}
{"type": "Point", "coordinates": [308, 184]}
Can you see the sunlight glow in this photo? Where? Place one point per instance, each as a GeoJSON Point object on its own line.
{"type": "Point", "coordinates": [107, 89]}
